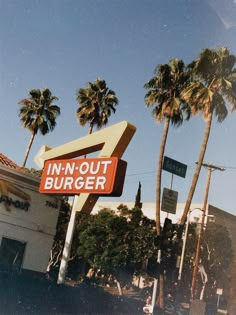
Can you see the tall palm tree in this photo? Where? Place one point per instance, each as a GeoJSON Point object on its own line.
{"type": "Point", "coordinates": [96, 104]}
{"type": "Point", "coordinates": [164, 94]}
{"type": "Point", "coordinates": [38, 113]}
{"type": "Point", "coordinates": [212, 87]}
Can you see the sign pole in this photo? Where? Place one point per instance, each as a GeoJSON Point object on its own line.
{"type": "Point", "coordinates": [219, 292]}
{"type": "Point", "coordinates": [67, 245]}
{"type": "Point", "coordinates": [218, 301]}
{"type": "Point", "coordinates": [171, 182]}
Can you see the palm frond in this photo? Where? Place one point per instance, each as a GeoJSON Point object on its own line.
{"type": "Point", "coordinates": [96, 103]}
{"type": "Point", "coordinates": [39, 111]}
{"type": "Point", "coordinates": [164, 91]}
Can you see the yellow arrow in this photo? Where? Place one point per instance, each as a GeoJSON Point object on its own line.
{"type": "Point", "coordinates": [38, 157]}
{"type": "Point", "coordinates": [111, 141]}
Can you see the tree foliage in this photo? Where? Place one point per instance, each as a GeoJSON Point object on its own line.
{"type": "Point", "coordinates": [59, 238]}
{"type": "Point", "coordinates": [96, 104]}
{"type": "Point", "coordinates": [164, 95]}
{"type": "Point", "coordinates": [216, 257]}
{"type": "Point", "coordinates": [118, 245]}
{"type": "Point", "coordinates": [38, 113]}
{"type": "Point", "coordinates": [211, 90]}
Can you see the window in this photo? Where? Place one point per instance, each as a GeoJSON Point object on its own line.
{"type": "Point", "coordinates": [11, 254]}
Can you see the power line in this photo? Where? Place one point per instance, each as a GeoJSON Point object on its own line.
{"type": "Point", "coordinates": [191, 166]}
{"type": "Point", "coordinates": [143, 173]}
{"type": "Point", "coordinates": [231, 167]}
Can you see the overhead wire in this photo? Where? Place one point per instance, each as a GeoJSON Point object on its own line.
{"type": "Point", "coordinates": [190, 166]}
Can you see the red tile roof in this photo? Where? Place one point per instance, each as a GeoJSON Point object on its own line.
{"type": "Point", "coordinates": [7, 162]}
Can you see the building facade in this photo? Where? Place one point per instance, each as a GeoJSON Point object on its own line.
{"type": "Point", "coordinates": [28, 220]}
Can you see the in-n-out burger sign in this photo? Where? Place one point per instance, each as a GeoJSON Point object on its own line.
{"type": "Point", "coordinates": [110, 142]}
{"type": "Point", "coordinates": [103, 176]}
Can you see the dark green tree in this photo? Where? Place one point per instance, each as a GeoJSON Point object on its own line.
{"type": "Point", "coordinates": [104, 244]}
{"type": "Point", "coordinates": [216, 257]}
{"type": "Point", "coordinates": [138, 203]}
{"type": "Point", "coordinates": [118, 245]}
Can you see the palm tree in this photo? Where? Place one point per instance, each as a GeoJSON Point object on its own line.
{"type": "Point", "coordinates": [164, 93]}
{"type": "Point", "coordinates": [212, 87]}
{"type": "Point", "coordinates": [38, 113]}
{"type": "Point", "coordinates": [97, 103]}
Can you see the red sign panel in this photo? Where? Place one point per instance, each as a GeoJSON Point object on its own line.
{"type": "Point", "coordinates": [103, 176]}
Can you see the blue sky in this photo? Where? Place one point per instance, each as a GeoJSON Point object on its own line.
{"type": "Point", "coordinates": [63, 44]}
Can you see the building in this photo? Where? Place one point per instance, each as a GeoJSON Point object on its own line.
{"type": "Point", "coordinates": [229, 221]}
{"type": "Point", "coordinates": [148, 209]}
{"type": "Point", "coordinates": [27, 220]}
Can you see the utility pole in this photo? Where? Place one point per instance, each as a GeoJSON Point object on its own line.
{"type": "Point", "coordinates": [210, 168]}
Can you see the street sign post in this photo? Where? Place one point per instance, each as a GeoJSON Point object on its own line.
{"type": "Point", "coordinates": [219, 292]}
{"type": "Point", "coordinates": [174, 167]}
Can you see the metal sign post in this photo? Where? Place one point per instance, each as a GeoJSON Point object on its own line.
{"type": "Point", "coordinates": [219, 292]}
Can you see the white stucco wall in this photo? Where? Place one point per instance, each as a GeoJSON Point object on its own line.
{"type": "Point", "coordinates": [149, 209]}
{"type": "Point", "coordinates": [36, 226]}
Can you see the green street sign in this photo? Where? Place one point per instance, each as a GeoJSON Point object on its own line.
{"type": "Point", "coordinates": [174, 167]}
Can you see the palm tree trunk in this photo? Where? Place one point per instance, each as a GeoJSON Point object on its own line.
{"type": "Point", "coordinates": [90, 132]}
{"type": "Point", "coordinates": [91, 126]}
{"type": "Point", "coordinates": [159, 173]}
{"type": "Point", "coordinates": [158, 204]}
{"type": "Point", "coordinates": [28, 149]}
{"type": "Point", "coordinates": [197, 169]}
